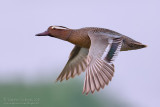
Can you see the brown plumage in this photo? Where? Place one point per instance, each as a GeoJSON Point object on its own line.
{"type": "Point", "coordinates": [94, 52]}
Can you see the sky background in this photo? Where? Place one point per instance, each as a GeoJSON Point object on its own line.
{"type": "Point", "coordinates": [28, 59]}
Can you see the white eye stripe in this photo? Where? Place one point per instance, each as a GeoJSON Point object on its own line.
{"type": "Point", "coordinates": [52, 27]}
{"type": "Point", "coordinates": [58, 27]}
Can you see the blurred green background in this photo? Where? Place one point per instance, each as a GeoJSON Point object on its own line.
{"type": "Point", "coordinates": [65, 94]}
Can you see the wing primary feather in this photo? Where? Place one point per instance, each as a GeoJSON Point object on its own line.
{"type": "Point", "coordinates": [74, 65]}
{"type": "Point", "coordinates": [105, 78]}
{"type": "Point", "coordinates": [68, 73]}
{"type": "Point", "coordinates": [103, 69]}
{"type": "Point", "coordinates": [87, 84]}
{"type": "Point", "coordinates": [98, 70]}
{"type": "Point", "coordinates": [97, 83]}
{"type": "Point", "coordinates": [108, 65]}
{"type": "Point", "coordinates": [84, 86]}
{"type": "Point", "coordinates": [108, 69]}
{"type": "Point", "coordinates": [107, 74]}
{"type": "Point", "coordinates": [74, 72]}
{"type": "Point", "coordinates": [63, 77]}
{"type": "Point", "coordinates": [82, 67]}
{"type": "Point", "coordinates": [92, 84]}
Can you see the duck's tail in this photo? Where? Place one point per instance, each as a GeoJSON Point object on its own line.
{"type": "Point", "coordinates": [130, 44]}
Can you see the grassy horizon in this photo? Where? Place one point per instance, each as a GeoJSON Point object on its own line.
{"type": "Point", "coordinates": [66, 94]}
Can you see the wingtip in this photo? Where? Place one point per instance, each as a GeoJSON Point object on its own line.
{"type": "Point", "coordinates": [57, 80]}
{"type": "Point", "coordinates": [98, 89]}
{"type": "Point", "coordinates": [87, 93]}
{"type": "Point", "coordinates": [83, 91]}
{"type": "Point", "coordinates": [92, 91]}
{"type": "Point", "coordinates": [61, 80]}
{"type": "Point", "coordinates": [103, 86]}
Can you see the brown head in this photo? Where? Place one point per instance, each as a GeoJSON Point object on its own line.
{"type": "Point", "coordinates": [57, 32]}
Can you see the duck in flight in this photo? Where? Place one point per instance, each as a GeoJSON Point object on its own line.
{"type": "Point", "coordinates": [94, 52]}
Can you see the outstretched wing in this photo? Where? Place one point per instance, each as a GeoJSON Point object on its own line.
{"type": "Point", "coordinates": [76, 64]}
{"type": "Point", "coordinates": [100, 69]}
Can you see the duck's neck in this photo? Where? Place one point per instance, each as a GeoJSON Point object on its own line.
{"type": "Point", "coordinates": [74, 37]}
{"type": "Point", "coordinates": [79, 38]}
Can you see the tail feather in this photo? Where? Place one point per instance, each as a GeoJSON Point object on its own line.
{"type": "Point", "coordinates": [130, 44]}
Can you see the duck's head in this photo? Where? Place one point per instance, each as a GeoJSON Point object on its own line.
{"type": "Point", "coordinates": [60, 32]}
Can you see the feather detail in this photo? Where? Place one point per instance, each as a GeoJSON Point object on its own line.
{"type": "Point", "coordinates": [75, 65]}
